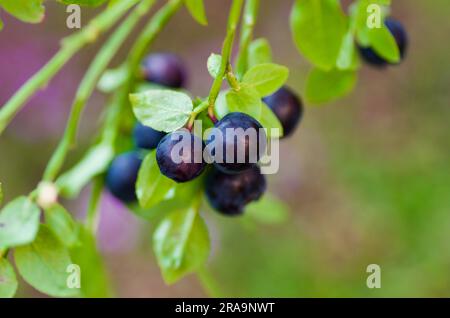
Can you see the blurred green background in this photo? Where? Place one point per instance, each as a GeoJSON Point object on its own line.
{"type": "Point", "coordinates": [367, 179]}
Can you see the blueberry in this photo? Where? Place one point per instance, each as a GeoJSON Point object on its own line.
{"type": "Point", "coordinates": [146, 137]}
{"type": "Point", "coordinates": [164, 69]}
{"type": "Point", "coordinates": [236, 142]}
{"type": "Point", "coordinates": [122, 175]}
{"type": "Point", "coordinates": [230, 193]}
{"type": "Point", "coordinates": [288, 108]}
{"type": "Point", "coordinates": [180, 156]}
{"type": "Point", "coordinates": [401, 37]}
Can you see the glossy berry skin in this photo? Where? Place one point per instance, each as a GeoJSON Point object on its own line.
{"type": "Point", "coordinates": [180, 156]}
{"type": "Point", "coordinates": [226, 128]}
{"type": "Point", "coordinates": [164, 69]}
{"type": "Point", "coordinates": [122, 175]}
{"type": "Point", "coordinates": [230, 193]}
{"type": "Point", "coordinates": [288, 108]}
{"type": "Point", "coordinates": [146, 137]}
{"type": "Point", "coordinates": [401, 37]}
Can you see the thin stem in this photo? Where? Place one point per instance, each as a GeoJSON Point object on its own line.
{"type": "Point", "coordinates": [233, 20]}
{"type": "Point", "coordinates": [232, 80]}
{"type": "Point", "coordinates": [250, 17]}
{"type": "Point", "coordinates": [197, 111]}
{"type": "Point", "coordinates": [69, 47]}
{"type": "Point", "coordinates": [87, 86]}
{"type": "Point", "coordinates": [92, 217]}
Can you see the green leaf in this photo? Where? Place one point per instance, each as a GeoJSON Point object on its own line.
{"type": "Point", "coordinates": [61, 223]}
{"type": "Point", "coordinates": [19, 222]}
{"type": "Point", "coordinates": [94, 278]}
{"type": "Point", "coordinates": [8, 280]}
{"type": "Point", "coordinates": [197, 10]}
{"type": "Point", "coordinates": [89, 3]}
{"type": "Point", "coordinates": [268, 210]}
{"type": "Point", "coordinates": [112, 79]}
{"type": "Point", "coordinates": [214, 63]}
{"type": "Point", "coordinates": [323, 87]}
{"type": "Point", "coordinates": [43, 264]}
{"type": "Point", "coordinates": [162, 110]}
{"type": "Point", "coordinates": [318, 27]}
{"type": "Point", "coordinates": [348, 56]}
{"type": "Point", "coordinates": [246, 100]}
{"type": "Point", "coordinates": [181, 244]}
{"type": "Point", "coordinates": [152, 187]}
{"type": "Point", "coordinates": [31, 11]}
{"type": "Point", "coordinates": [259, 52]}
{"type": "Point", "coordinates": [270, 121]}
{"type": "Point", "coordinates": [95, 162]}
{"type": "Point", "coordinates": [266, 78]}
{"type": "Point", "coordinates": [383, 42]}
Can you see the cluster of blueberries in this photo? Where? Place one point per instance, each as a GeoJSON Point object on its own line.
{"type": "Point", "coordinates": [230, 186]}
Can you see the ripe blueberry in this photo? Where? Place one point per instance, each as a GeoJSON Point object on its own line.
{"type": "Point", "coordinates": [401, 37]}
{"type": "Point", "coordinates": [164, 69]}
{"type": "Point", "coordinates": [146, 137]}
{"type": "Point", "coordinates": [122, 175]}
{"type": "Point", "coordinates": [230, 193]}
{"type": "Point", "coordinates": [288, 108]}
{"type": "Point", "coordinates": [180, 156]}
{"type": "Point", "coordinates": [236, 142]}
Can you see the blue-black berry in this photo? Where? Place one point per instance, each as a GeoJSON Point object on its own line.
{"type": "Point", "coordinates": [401, 38]}
{"type": "Point", "coordinates": [288, 108]}
{"type": "Point", "coordinates": [236, 142]}
{"type": "Point", "coordinates": [122, 175]}
{"type": "Point", "coordinates": [146, 137]}
{"type": "Point", "coordinates": [230, 193]}
{"type": "Point", "coordinates": [164, 69]}
{"type": "Point", "coordinates": [180, 156]}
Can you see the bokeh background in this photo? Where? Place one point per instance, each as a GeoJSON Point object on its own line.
{"type": "Point", "coordinates": [366, 179]}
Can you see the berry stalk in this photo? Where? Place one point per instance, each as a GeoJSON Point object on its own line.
{"type": "Point", "coordinates": [233, 20]}
{"type": "Point", "coordinates": [69, 47]}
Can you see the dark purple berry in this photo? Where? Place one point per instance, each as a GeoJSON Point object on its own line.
{"type": "Point", "coordinates": [230, 193]}
{"type": "Point", "coordinates": [236, 143]}
{"type": "Point", "coordinates": [122, 175]}
{"type": "Point", "coordinates": [180, 156]}
{"type": "Point", "coordinates": [401, 37]}
{"type": "Point", "coordinates": [288, 108]}
{"type": "Point", "coordinates": [146, 137]}
{"type": "Point", "coordinates": [164, 69]}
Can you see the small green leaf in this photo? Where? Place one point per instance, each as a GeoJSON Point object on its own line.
{"type": "Point", "coordinates": [318, 27]}
{"type": "Point", "coordinates": [163, 110]}
{"type": "Point", "coordinates": [89, 3]}
{"type": "Point", "coordinates": [112, 79]}
{"type": "Point", "coordinates": [94, 277]}
{"type": "Point", "coordinates": [266, 78]}
{"type": "Point", "coordinates": [197, 10]}
{"type": "Point", "coordinates": [259, 52]}
{"type": "Point", "coordinates": [348, 57]}
{"type": "Point", "coordinates": [323, 87]}
{"type": "Point", "coordinates": [95, 162]}
{"type": "Point", "coordinates": [31, 11]}
{"type": "Point", "coordinates": [151, 186]}
{"type": "Point", "coordinates": [19, 222]}
{"type": "Point", "coordinates": [62, 225]}
{"type": "Point", "coordinates": [181, 244]}
{"type": "Point", "coordinates": [8, 280]}
{"type": "Point", "coordinates": [214, 63]}
{"type": "Point", "coordinates": [268, 210]}
{"type": "Point", "coordinates": [383, 42]}
{"type": "Point", "coordinates": [246, 100]}
{"type": "Point", "coordinates": [270, 121]}
{"type": "Point", "coordinates": [43, 264]}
